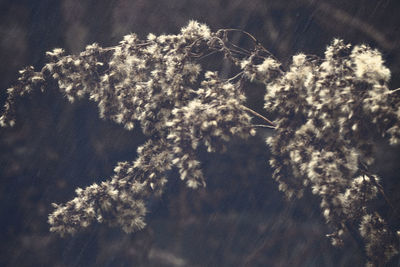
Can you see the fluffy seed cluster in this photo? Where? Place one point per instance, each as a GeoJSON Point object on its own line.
{"type": "Point", "coordinates": [379, 240]}
{"type": "Point", "coordinates": [157, 83]}
{"type": "Point", "coordinates": [328, 113]}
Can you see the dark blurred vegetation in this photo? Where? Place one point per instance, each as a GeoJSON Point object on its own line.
{"type": "Point", "coordinates": [240, 219]}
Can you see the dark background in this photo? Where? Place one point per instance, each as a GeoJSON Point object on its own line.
{"type": "Point", "coordinates": [240, 219]}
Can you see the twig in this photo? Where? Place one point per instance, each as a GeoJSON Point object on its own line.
{"type": "Point", "coordinates": [244, 32]}
{"type": "Point", "coordinates": [258, 115]}
{"type": "Point", "coordinates": [263, 126]}
{"type": "Point", "coordinates": [235, 77]}
{"type": "Point", "coordinates": [394, 91]}
{"type": "Point", "coordinates": [381, 190]}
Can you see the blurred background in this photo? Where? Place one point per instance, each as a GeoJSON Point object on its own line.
{"type": "Point", "coordinates": [240, 219]}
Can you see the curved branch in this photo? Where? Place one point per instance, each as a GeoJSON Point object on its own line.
{"type": "Point", "coordinates": [259, 116]}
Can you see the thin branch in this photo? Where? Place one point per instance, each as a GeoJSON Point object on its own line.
{"type": "Point", "coordinates": [236, 76]}
{"type": "Point", "coordinates": [207, 55]}
{"type": "Point", "coordinates": [381, 190]}
{"type": "Point", "coordinates": [240, 48]}
{"type": "Point", "coordinates": [258, 115]}
{"type": "Point", "coordinates": [257, 44]}
{"type": "Point", "coordinates": [394, 91]}
{"type": "Point", "coordinates": [244, 32]}
{"type": "Point", "coordinates": [263, 126]}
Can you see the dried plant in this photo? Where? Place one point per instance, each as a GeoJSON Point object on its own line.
{"type": "Point", "coordinates": [328, 113]}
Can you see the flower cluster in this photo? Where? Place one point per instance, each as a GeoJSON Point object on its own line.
{"type": "Point", "coordinates": [379, 240]}
{"type": "Point", "coordinates": [154, 82]}
{"type": "Point", "coordinates": [328, 114]}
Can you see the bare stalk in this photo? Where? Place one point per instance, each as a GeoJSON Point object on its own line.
{"type": "Point", "coordinates": [259, 116]}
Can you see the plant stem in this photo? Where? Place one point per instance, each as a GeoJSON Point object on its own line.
{"type": "Point", "coordinates": [263, 126]}
{"type": "Point", "coordinates": [259, 115]}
